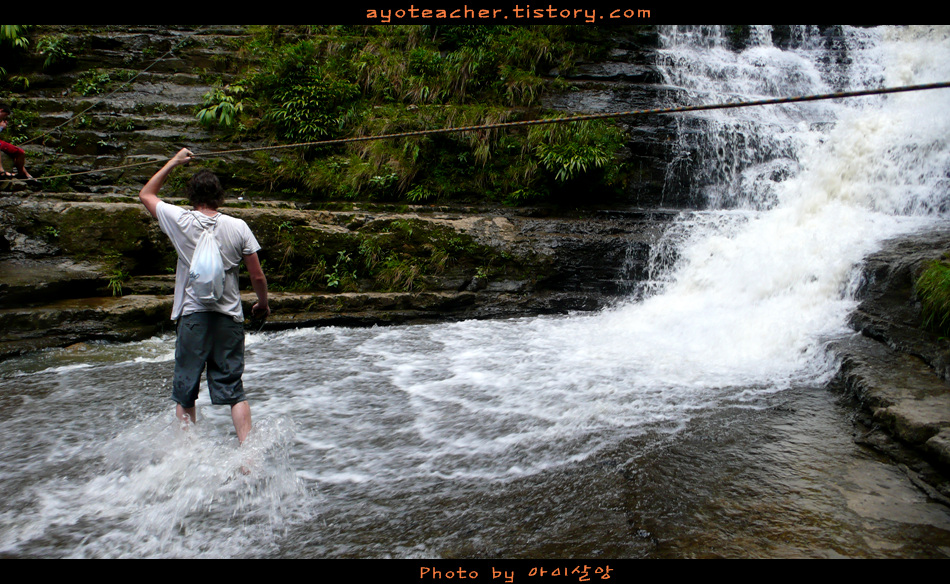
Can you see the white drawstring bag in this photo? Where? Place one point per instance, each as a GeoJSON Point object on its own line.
{"type": "Point", "coordinates": [206, 276]}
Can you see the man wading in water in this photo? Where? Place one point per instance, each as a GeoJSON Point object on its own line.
{"type": "Point", "coordinates": [209, 333]}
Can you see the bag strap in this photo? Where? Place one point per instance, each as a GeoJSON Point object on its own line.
{"type": "Point", "coordinates": [214, 220]}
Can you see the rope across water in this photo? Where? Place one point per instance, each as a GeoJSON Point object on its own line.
{"type": "Point", "coordinates": [570, 119]}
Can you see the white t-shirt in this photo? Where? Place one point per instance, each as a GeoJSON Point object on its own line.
{"type": "Point", "coordinates": [234, 237]}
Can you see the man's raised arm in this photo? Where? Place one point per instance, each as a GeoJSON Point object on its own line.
{"type": "Point", "coordinates": [149, 193]}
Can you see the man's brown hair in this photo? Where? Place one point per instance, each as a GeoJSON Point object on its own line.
{"type": "Point", "coordinates": [205, 189]}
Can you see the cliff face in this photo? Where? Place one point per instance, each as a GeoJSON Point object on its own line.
{"type": "Point", "coordinates": [80, 259]}
{"type": "Point", "coordinates": [86, 269]}
{"type": "Point", "coordinates": [112, 103]}
{"type": "Point", "coordinates": [897, 370]}
{"type": "Point", "coordinates": [124, 94]}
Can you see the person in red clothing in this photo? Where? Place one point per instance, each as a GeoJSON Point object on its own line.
{"type": "Point", "coordinates": [14, 152]}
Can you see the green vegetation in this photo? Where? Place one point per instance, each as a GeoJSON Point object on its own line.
{"type": "Point", "coordinates": [13, 40]}
{"type": "Point", "coordinates": [55, 50]}
{"type": "Point", "coordinates": [222, 107]}
{"type": "Point", "coordinates": [116, 278]}
{"type": "Point", "coordinates": [404, 255]}
{"type": "Point", "coordinates": [15, 35]}
{"type": "Point", "coordinates": [933, 290]}
{"type": "Point", "coordinates": [24, 120]}
{"type": "Point", "coordinates": [303, 84]}
{"type": "Point", "coordinates": [97, 81]}
{"type": "Point", "coordinates": [50, 233]}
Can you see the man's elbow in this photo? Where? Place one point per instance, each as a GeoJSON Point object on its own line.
{"type": "Point", "coordinates": [150, 201]}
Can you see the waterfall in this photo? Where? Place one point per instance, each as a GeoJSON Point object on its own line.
{"type": "Point", "coordinates": [736, 158]}
{"type": "Point", "coordinates": [877, 161]}
{"type": "Point", "coordinates": [741, 158]}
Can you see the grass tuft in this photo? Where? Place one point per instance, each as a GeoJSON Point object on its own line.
{"type": "Point", "coordinates": [933, 290]}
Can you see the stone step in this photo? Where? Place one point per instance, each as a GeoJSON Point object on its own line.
{"type": "Point", "coordinates": [26, 281]}
{"type": "Point", "coordinates": [71, 321]}
{"type": "Point", "coordinates": [151, 116]}
{"type": "Point", "coordinates": [903, 393]}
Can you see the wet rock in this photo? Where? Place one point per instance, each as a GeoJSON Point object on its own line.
{"type": "Point", "coordinates": [621, 70]}
{"type": "Point", "coordinates": [939, 446]}
{"type": "Point", "coordinates": [67, 322]}
{"type": "Point", "coordinates": [26, 280]}
{"type": "Point", "coordinates": [904, 394]}
{"type": "Point", "coordinates": [896, 369]}
{"type": "Point", "coordinates": [554, 261]}
{"type": "Point", "coordinates": [889, 310]}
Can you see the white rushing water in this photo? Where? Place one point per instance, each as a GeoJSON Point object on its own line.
{"type": "Point", "coordinates": [743, 296]}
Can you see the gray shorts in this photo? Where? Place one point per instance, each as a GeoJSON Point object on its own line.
{"type": "Point", "coordinates": [215, 340]}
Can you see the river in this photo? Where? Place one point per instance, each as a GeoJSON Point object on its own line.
{"type": "Point", "coordinates": [691, 420]}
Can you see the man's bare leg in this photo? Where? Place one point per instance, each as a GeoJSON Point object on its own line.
{"type": "Point", "coordinates": [19, 161]}
{"type": "Point", "coordinates": [241, 416]}
{"type": "Point", "coordinates": [185, 414]}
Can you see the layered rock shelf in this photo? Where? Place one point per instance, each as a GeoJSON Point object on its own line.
{"type": "Point", "coordinates": [91, 269]}
{"type": "Point", "coordinates": [898, 371]}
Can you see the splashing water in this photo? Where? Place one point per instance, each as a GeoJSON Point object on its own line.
{"type": "Point", "coordinates": [99, 474]}
{"type": "Point", "coordinates": [355, 428]}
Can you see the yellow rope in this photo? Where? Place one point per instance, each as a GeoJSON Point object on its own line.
{"type": "Point", "coordinates": [571, 119]}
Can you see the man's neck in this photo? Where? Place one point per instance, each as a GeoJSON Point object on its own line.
{"type": "Point", "coordinates": [206, 210]}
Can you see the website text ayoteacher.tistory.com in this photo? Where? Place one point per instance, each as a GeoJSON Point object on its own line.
{"type": "Point", "coordinates": [549, 12]}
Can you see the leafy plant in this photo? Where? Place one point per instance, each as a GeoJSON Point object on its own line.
{"type": "Point", "coordinates": [399, 274]}
{"type": "Point", "coordinates": [310, 107]}
{"type": "Point", "coordinates": [55, 49]}
{"type": "Point", "coordinates": [21, 80]}
{"type": "Point", "coordinates": [420, 193]}
{"type": "Point", "coordinates": [572, 150]}
{"type": "Point", "coordinates": [15, 35]}
{"type": "Point", "coordinates": [92, 83]}
{"type": "Point", "coordinates": [96, 81]}
{"type": "Point", "coordinates": [222, 106]}
{"type": "Point", "coordinates": [371, 253]}
{"type": "Point", "coordinates": [342, 271]}
{"type": "Point", "coordinates": [120, 125]}
{"type": "Point", "coordinates": [384, 181]}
